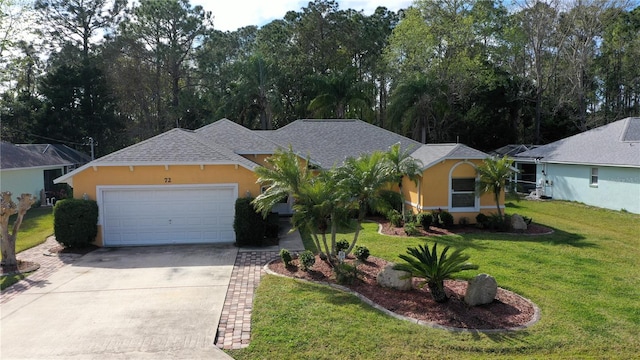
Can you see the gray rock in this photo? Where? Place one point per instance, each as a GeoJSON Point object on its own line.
{"type": "Point", "coordinates": [481, 290]}
{"type": "Point", "coordinates": [388, 277]}
{"type": "Point", "coordinates": [518, 223]}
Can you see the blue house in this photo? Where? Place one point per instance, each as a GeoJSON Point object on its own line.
{"type": "Point", "coordinates": [599, 167]}
{"type": "Point", "coordinates": [31, 168]}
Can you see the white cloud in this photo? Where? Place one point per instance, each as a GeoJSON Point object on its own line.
{"type": "Point", "coordinates": [229, 15]}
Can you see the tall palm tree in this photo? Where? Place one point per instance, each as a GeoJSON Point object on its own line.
{"type": "Point", "coordinates": [493, 173]}
{"type": "Point", "coordinates": [362, 180]}
{"type": "Point", "coordinates": [401, 164]}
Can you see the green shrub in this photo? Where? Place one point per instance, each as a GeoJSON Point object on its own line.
{"type": "Point", "coordinates": [463, 221]}
{"type": "Point", "coordinates": [395, 218]}
{"type": "Point", "coordinates": [307, 260]}
{"type": "Point", "coordinates": [446, 219]}
{"type": "Point", "coordinates": [410, 217]}
{"type": "Point", "coordinates": [248, 224]}
{"type": "Point", "coordinates": [435, 218]}
{"type": "Point", "coordinates": [342, 245]}
{"type": "Point", "coordinates": [482, 220]}
{"type": "Point", "coordinates": [499, 224]}
{"type": "Point", "coordinates": [361, 252]}
{"type": "Point", "coordinates": [425, 220]}
{"type": "Point", "coordinates": [346, 273]}
{"type": "Point", "coordinates": [285, 255]}
{"type": "Point", "coordinates": [411, 229]}
{"type": "Point", "coordinates": [75, 222]}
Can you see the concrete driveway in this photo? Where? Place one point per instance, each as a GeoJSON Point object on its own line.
{"type": "Point", "coordinates": [114, 303]}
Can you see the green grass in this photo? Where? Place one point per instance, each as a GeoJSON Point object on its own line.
{"type": "Point", "coordinates": [585, 278]}
{"type": "Point", "coordinates": [36, 226]}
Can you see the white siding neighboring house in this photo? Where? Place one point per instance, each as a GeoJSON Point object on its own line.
{"type": "Point", "coordinates": [31, 168]}
{"type": "Point", "coordinates": [599, 167]}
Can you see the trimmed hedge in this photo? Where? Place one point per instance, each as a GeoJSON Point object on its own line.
{"type": "Point", "coordinates": [248, 224]}
{"type": "Point", "coordinates": [75, 222]}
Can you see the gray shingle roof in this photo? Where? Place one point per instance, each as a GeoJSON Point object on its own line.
{"type": "Point", "coordinates": [431, 154]}
{"type": "Point", "coordinates": [330, 142]}
{"type": "Point", "coordinates": [614, 144]}
{"type": "Point", "coordinates": [327, 142]}
{"type": "Point", "coordinates": [176, 146]}
{"type": "Point", "coordinates": [236, 138]}
{"type": "Point", "coordinates": [28, 156]}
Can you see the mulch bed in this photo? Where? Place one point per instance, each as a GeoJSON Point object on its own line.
{"type": "Point", "coordinates": [507, 312]}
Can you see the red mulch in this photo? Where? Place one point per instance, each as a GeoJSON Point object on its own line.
{"type": "Point", "coordinates": [389, 229]}
{"type": "Point", "coordinates": [507, 311]}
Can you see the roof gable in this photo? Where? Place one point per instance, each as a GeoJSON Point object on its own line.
{"type": "Point", "coordinates": [236, 138]}
{"type": "Point", "coordinates": [431, 154]}
{"type": "Point", "coordinates": [176, 146]}
{"type": "Point", "coordinates": [614, 144]}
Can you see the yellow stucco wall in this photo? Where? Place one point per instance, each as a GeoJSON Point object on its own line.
{"type": "Point", "coordinates": [434, 189]}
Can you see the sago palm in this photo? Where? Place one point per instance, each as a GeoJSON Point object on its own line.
{"type": "Point", "coordinates": [424, 263]}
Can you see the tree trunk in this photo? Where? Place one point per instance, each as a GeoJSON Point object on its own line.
{"type": "Point", "coordinates": [8, 241]}
{"type": "Point", "coordinates": [437, 291]}
{"type": "Point", "coordinates": [8, 244]}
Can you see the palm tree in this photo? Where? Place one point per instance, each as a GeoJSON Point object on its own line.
{"type": "Point", "coordinates": [318, 204]}
{"type": "Point", "coordinates": [318, 208]}
{"type": "Point", "coordinates": [493, 173]}
{"type": "Point", "coordinates": [401, 164]}
{"type": "Point", "coordinates": [362, 180]}
{"type": "Point", "coordinates": [284, 175]}
{"type": "Point", "coordinates": [337, 92]}
{"type": "Point", "coordinates": [424, 263]}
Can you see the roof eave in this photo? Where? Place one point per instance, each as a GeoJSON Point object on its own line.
{"type": "Point", "coordinates": [67, 177]}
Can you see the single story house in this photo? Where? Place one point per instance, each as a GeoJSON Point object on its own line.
{"type": "Point", "coordinates": [181, 186]}
{"type": "Point", "coordinates": [599, 167]}
{"type": "Point", "coordinates": [31, 168]}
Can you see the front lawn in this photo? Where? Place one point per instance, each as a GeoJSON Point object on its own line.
{"type": "Point", "coordinates": [585, 278]}
{"type": "Point", "coordinates": [37, 225]}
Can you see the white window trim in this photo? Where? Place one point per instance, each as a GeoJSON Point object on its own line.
{"type": "Point", "coordinates": [591, 177]}
{"type": "Point", "coordinates": [476, 206]}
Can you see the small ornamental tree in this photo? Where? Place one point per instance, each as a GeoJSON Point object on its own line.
{"type": "Point", "coordinates": [7, 239]}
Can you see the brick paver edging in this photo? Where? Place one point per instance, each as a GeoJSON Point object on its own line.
{"type": "Point", "coordinates": [234, 328]}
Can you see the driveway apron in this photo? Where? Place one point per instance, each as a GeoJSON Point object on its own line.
{"type": "Point", "coordinates": [136, 303]}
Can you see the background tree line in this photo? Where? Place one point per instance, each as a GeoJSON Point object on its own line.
{"type": "Point", "coordinates": [479, 72]}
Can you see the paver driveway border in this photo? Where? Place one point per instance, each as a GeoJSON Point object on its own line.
{"type": "Point", "coordinates": [143, 302]}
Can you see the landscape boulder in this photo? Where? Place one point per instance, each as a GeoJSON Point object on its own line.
{"type": "Point", "coordinates": [391, 278]}
{"type": "Point", "coordinates": [481, 290]}
{"type": "Point", "coordinates": [517, 223]}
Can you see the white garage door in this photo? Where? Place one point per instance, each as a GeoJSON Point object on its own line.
{"type": "Point", "coordinates": [167, 214]}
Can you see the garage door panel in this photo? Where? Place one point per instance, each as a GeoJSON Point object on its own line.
{"type": "Point", "coordinates": [168, 216]}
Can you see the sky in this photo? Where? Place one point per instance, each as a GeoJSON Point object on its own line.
{"type": "Point", "coordinates": [229, 15]}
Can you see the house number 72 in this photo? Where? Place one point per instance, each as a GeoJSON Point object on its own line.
{"type": "Point", "coordinates": [167, 180]}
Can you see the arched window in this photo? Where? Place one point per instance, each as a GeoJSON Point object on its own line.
{"type": "Point", "coordinates": [462, 186]}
